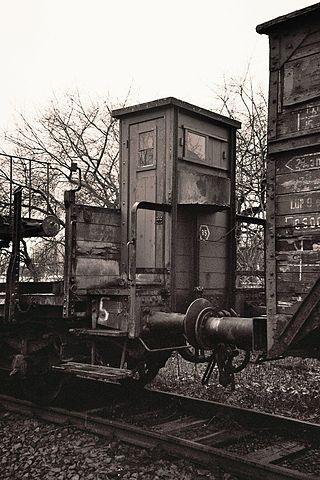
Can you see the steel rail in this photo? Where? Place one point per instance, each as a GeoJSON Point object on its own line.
{"type": "Point", "coordinates": [208, 407]}
{"type": "Point", "coordinates": [190, 450]}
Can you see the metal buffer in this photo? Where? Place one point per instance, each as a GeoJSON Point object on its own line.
{"type": "Point", "coordinates": [223, 333]}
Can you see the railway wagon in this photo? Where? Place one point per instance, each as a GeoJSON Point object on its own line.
{"type": "Point", "coordinates": [293, 183]}
{"type": "Point", "coordinates": [136, 278]}
{"type": "Point", "coordinates": [157, 274]}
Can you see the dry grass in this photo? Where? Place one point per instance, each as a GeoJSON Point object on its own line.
{"type": "Point", "coordinates": [287, 387]}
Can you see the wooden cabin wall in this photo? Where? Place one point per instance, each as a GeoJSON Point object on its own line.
{"type": "Point", "coordinates": [185, 266]}
{"type": "Point", "coordinates": [214, 258]}
{"type": "Point", "coordinates": [196, 181]}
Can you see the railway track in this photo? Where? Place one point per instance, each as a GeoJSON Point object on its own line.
{"type": "Point", "coordinates": [246, 443]}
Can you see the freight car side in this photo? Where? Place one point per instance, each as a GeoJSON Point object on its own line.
{"type": "Point", "coordinates": [293, 181]}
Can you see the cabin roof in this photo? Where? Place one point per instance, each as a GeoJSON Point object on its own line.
{"type": "Point", "coordinates": [171, 101]}
{"type": "Point", "coordinates": [278, 22]}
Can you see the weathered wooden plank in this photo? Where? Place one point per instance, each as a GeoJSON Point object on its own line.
{"type": "Point", "coordinates": [288, 305]}
{"type": "Point", "coordinates": [213, 280]}
{"type": "Point", "coordinates": [300, 262]}
{"type": "Point", "coordinates": [276, 452]}
{"type": "Point", "coordinates": [213, 265]}
{"type": "Point", "coordinates": [297, 182]}
{"type": "Point", "coordinates": [309, 256]}
{"type": "Point", "coordinates": [284, 285]}
{"type": "Point", "coordinates": [298, 203]}
{"type": "Point", "coordinates": [97, 249]}
{"type": "Point", "coordinates": [270, 249]}
{"type": "Point", "coordinates": [312, 38]}
{"type": "Point", "coordinates": [286, 311]}
{"type": "Point", "coordinates": [217, 219]}
{"type": "Point", "coordinates": [145, 189]}
{"type": "Point", "coordinates": [98, 215]}
{"type": "Point", "coordinates": [309, 47]}
{"type": "Point", "coordinates": [297, 163]}
{"type": "Point", "coordinates": [100, 267]}
{"type": "Point", "coordinates": [184, 280]}
{"type": "Point", "coordinates": [213, 249]}
{"type": "Point", "coordinates": [290, 233]}
{"type": "Point", "coordinates": [305, 222]}
{"type": "Point", "coordinates": [218, 235]}
{"type": "Point", "coordinates": [183, 263]}
{"type": "Point", "coordinates": [299, 120]}
{"type": "Point", "coordinates": [273, 95]}
{"type": "Point", "coordinates": [98, 233]}
{"type": "Point", "coordinates": [185, 230]}
{"type": "Point", "coordinates": [215, 291]}
{"type": "Point", "coordinates": [301, 80]}
{"type": "Point", "coordinates": [288, 45]}
{"type": "Point", "coordinates": [85, 282]}
{"type": "Point", "coordinates": [295, 277]}
{"type": "Point", "coordinates": [292, 142]}
{"type": "Point", "coordinates": [184, 247]}
{"type": "Point", "coordinates": [299, 268]}
{"type": "Point", "coordinates": [146, 239]}
{"type": "Point", "coordinates": [186, 233]}
{"type": "Point", "coordinates": [291, 245]}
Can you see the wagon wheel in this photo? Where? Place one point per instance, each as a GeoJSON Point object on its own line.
{"type": "Point", "coordinates": [145, 365]}
{"type": "Point", "coordinates": [42, 389]}
{"type": "Point", "coordinates": [109, 353]}
{"type": "Point", "coordinates": [38, 382]}
{"type": "Point", "coordinates": [148, 367]}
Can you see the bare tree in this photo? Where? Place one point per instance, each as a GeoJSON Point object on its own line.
{"type": "Point", "coordinates": [71, 131]}
{"type": "Point", "coordinates": [240, 99]}
{"type": "Point", "coordinates": [44, 152]}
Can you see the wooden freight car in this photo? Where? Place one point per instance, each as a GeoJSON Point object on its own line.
{"type": "Point", "coordinates": [293, 183]}
{"type": "Point", "coordinates": [130, 274]}
{"type": "Point", "coordinates": [158, 274]}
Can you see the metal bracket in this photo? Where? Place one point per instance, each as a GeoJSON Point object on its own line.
{"type": "Point", "coordinates": [12, 280]}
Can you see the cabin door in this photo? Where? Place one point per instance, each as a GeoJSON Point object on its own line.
{"type": "Point", "coordinates": [147, 183]}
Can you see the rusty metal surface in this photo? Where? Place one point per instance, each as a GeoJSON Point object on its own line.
{"type": "Point", "coordinates": [233, 330]}
{"type": "Point", "coordinates": [12, 278]}
{"type": "Point", "coordinates": [203, 189]}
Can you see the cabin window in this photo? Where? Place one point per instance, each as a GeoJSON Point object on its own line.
{"type": "Point", "coordinates": [206, 149]}
{"type": "Point", "coordinates": [147, 149]}
{"type": "Point", "coordinates": [195, 146]}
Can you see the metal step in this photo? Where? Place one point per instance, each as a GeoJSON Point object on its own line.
{"type": "Point", "coordinates": [94, 372]}
{"type": "Point", "coordinates": [95, 332]}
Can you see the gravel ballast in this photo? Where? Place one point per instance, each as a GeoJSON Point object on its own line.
{"type": "Point", "coordinates": [31, 449]}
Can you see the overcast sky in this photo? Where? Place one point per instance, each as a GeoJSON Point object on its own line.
{"type": "Point", "coordinates": [102, 48]}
